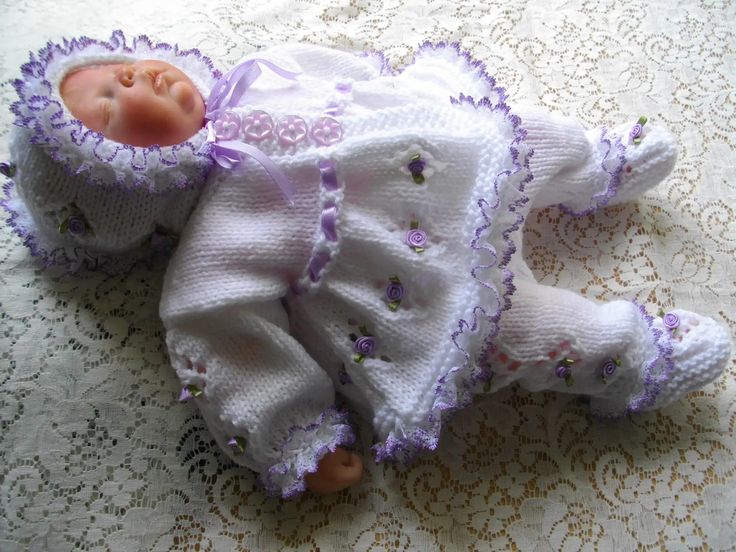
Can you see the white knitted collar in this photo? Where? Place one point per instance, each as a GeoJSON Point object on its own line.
{"type": "Point", "coordinates": [83, 151]}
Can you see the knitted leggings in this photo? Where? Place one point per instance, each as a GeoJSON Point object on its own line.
{"type": "Point", "coordinates": [553, 339]}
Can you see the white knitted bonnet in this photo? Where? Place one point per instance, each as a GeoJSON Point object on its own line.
{"type": "Point", "coordinates": [79, 199]}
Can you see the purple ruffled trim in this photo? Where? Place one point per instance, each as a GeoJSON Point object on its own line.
{"type": "Point", "coordinates": [454, 389]}
{"type": "Point", "coordinates": [73, 259]}
{"type": "Point", "coordinates": [657, 371]}
{"type": "Point", "coordinates": [32, 106]}
{"type": "Point", "coordinates": [617, 159]}
{"type": "Point", "coordinates": [296, 464]}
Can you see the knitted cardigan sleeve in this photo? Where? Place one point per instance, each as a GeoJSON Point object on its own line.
{"type": "Point", "coordinates": [266, 402]}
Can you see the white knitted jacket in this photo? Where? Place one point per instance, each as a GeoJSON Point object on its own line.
{"type": "Point", "coordinates": [403, 329]}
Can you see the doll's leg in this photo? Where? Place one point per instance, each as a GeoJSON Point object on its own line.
{"type": "Point", "coordinates": [586, 169]}
{"type": "Point", "coordinates": [553, 339]}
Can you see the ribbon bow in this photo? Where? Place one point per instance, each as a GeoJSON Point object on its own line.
{"type": "Point", "coordinates": [227, 93]}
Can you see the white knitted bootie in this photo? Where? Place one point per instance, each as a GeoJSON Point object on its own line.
{"type": "Point", "coordinates": [649, 154]}
{"type": "Point", "coordinates": [700, 351]}
{"type": "Point", "coordinates": [693, 351]}
{"type": "Point", "coordinates": [583, 170]}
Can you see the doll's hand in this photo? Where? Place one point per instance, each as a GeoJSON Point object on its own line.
{"type": "Point", "coordinates": [335, 472]}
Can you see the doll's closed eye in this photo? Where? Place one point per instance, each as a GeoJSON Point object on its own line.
{"type": "Point", "coordinates": [105, 111]}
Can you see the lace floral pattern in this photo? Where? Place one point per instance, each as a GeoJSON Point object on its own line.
{"type": "Point", "coordinates": [98, 454]}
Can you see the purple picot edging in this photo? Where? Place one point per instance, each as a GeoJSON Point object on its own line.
{"type": "Point", "coordinates": [600, 200]}
{"type": "Point", "coordinates": [298, 463]}
{"type": "Point", "coordinates": [451, 392]}
{"type": "Point", "coordinates": [30, 108]}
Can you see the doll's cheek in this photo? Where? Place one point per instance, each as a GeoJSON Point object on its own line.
{"type": "Point", "coordinates": [183, 95]}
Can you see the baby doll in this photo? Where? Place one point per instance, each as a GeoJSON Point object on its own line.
{"type": "Point", "coordinates": [359, 232]}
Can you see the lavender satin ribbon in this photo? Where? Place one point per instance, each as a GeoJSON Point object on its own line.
{"type": "Point", "coordinates": [227, 93]}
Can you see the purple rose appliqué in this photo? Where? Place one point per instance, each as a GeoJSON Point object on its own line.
{"type": "Point", "coordinates": [76, 225]}
{"type": "Point", "coordinates": [416, 239]}
{"type": "Point", "coordinates": [609, 367]}
{"type": "Point", "coordinates": [416, 168]}
{"type": "Point", "coordinates": [671, 320]}
{"type": "Point", "coordinates": [637, 132]}
{"type": "Point", "coordinates": [394, 293]}
{"type": "Point", "coordinates": [365, 345]}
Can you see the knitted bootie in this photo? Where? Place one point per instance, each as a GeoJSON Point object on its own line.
{"type": "Point", "coordinates": [627, 161]}
{"type": "Point", "coordinates": [583, 170]}
{"type": "Point", "coordinates": [649, 153]}
{"type": "Point", "coordinates": [693, 352]}
{"type": "Point", "coordinates": [700, 352]}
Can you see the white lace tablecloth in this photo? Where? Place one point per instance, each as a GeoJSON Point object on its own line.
{"type": "Point", "coordinates": [97, 454]}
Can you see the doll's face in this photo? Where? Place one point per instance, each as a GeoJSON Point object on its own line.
{"type": "Point", "coordinates": [143, 103]}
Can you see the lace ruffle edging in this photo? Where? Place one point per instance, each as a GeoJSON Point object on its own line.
{"type": "Point", "coordinates": [655, 372]}
{"type": "Point", "coordinates": [454, 389]}
{"type": "Point", "coordinates": [81, 151]}
{"type": "Point", "coordinates": [72, 259]}
{"type": "Point", "coordinates": [302, 450]}
{"type": "Point", "coordinates": [471, 64]}
{"type": "Point", "coordinates": [612, 164]}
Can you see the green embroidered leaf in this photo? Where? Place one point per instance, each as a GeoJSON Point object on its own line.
{"type": "Point", "coordinates": [64, 226]}
{"type": "Point", "coordinates": [393, 305]}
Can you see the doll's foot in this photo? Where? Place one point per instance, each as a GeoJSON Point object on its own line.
{"type": "Point", "coordinates": [336, 471]}
{"type": "Point", "coordinates": [700, 351]}
{"type": "Point", "coordinates": [649, 153]}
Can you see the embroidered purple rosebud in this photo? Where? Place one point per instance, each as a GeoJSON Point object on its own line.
{"type": "Point", "coordinates": [416, 168]}
{"type": "Point", "coordinates": [671, 321]}
{"type": "Point", "coordinates": [7, 169]}
{"type": "Point", "coordinates": [416, 238]}
{"type": "Point", "coordinates": [326, 131]}
{"type": "Point", "coordinates": [637, 131]}
{"type": "Point", "coordinates": [291, 130]}
{"type": "Point", "coordinates": [257, 126]}
{"type": "Point", "coordinates": [227, 126]}
{"type": "Point", "coordinates": [394, 293]}
{"type": "Point", "coordinates": [237, 444]}
{"type": "Point", "coordinates": [609, 367]}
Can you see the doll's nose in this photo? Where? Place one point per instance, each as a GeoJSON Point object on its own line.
{"type": "Point", "coordinates": [126, 76]}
